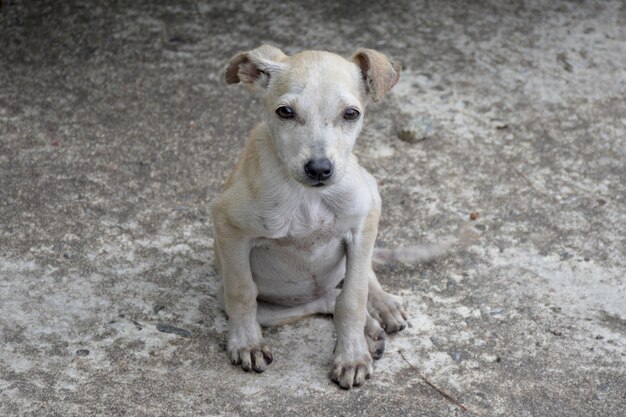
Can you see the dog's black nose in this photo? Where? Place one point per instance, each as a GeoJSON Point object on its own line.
{"type": "Point", "coordinates": [319, 169]}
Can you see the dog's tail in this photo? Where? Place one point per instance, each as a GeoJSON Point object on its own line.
{"type": "Point", "coordinates": [425, 252]}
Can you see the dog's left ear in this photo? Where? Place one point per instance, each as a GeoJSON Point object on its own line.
{"type": "Point", "coordinates": [379, 73]}
{"type": "Point", "coordinates": [255, 68]}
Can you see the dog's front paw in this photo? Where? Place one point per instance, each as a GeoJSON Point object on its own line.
{"type": "Point", "coordinates": [353, 365]}
{"type": "Point", "coordinates": [249, 350]}
{"type": "Point", "coordinates": [252, 357]}
{"type": "Point", "coordinates": [387, 309]}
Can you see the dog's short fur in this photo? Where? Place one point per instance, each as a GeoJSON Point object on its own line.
{"type": "Point", "coordinates": [286, 238]}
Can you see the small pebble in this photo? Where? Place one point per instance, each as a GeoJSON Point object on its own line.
{"type": "Point", "coordinates": [82, 352]}
{"type": "Point", "coordinates": [499, 124]}
{"type": "Point", "coordinates": [416, 130]}
{"type": "Point", "coordinates": [562, 59]}
{"type": "Point", "coordinates": [474, 215]}
{"type": "Point", "coordinates": [451, 284]}
{"type": "Point", "coordinates": [456, 356]}
{"type": "Point", "coordinates": [437, 341]}
{"type": "Point", "coordinates": [481, 395]}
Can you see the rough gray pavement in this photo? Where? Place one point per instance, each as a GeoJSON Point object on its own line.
{"type": "Point", "coordinates": [117, 130]}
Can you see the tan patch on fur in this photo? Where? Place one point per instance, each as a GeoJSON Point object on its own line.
{"type": "Point", "coordinates": [370, 227]}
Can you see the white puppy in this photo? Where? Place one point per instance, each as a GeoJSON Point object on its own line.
{"type": "Point", "coordinates": [299, 215]}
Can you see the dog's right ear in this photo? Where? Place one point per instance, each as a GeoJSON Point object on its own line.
{"type": "Point", "coordinates": [255, 68]}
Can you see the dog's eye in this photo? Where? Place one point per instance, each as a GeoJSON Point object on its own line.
{"type": "Point", "coordinates": [285, 112]}
{"type": "Point", "coordinates": [351, 114]}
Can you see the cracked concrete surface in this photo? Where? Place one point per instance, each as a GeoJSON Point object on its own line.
{"type": "Point", "coordinates": [117, 130]}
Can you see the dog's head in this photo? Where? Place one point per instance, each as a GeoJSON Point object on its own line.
{"type": "Point", "coordinates": [314, 103]}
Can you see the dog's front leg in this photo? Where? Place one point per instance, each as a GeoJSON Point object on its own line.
{"type": "Point", "coordinates": [353, 361]}
{"type": "Point", "coordinates": [245, 342]}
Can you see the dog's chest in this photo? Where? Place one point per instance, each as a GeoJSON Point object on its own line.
{"type": "Point", "coordinates": [302, 256]}
{"type": "Point", "coordinates": [306, 227]}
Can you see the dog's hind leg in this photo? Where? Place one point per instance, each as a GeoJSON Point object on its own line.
{"type": "Point", "coordinates": [275, 315]}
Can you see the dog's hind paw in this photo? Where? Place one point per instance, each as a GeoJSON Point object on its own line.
{"type": "Point", "coordinates": [387, 309]}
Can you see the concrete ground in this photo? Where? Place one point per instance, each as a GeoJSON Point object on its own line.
{"type": "Point", "coordinates": [117, 130]}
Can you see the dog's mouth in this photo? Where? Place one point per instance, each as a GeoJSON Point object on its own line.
{"type": "Point", "coordinates": [308, 183]}
{"type": "Point", "coordinates": [315, 183]}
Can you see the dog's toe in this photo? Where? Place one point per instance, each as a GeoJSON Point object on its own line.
{"type": "Point", "coordinates": [347, 378]}
{"type": "Point", "coordinates": [267, 354]}
{"type": "Point", "coordinates": [235, 358]}
{"type": "Point", "coordinates": [246, 360]}
{"type": "Point", "coordinates": [361, 375]}
{"type": "Point", "coordinates": [258, 360]}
